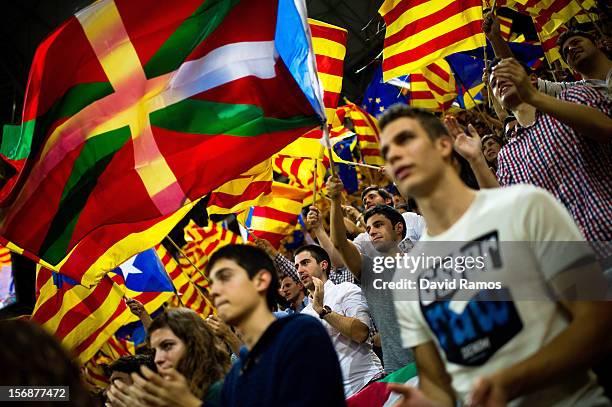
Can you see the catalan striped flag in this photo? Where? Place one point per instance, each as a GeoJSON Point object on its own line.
{"type": "Point", "coordinates": [83, 318]}
{"type": "Point", "coordinates": [307, 146]}
{"type": "Point", "coordinates": [278, 219]}
{"type": "Point", "coordinates": [366, 128]}
{"type": "Point", "coordinates": [548, 41]}
{"type": "Point", "coordinates": [242, 192]}
{"type": "Point", "coordinates": [555, 13]}
{"type": "Point", "coordinates": [420, 32]}
{"type": "Point", "coordinates": [167, 108]}
{"type": "Point", "coordinates": [94, 375]}
{"type": "Point", "coordinates": [301, 173]}
{"type": "Point", "coordinates": [202, 242]}
{"type": "Point", "coordinates": [329, 44]}
{"type": "Point", "coordinates": [505, 26]}
{"type": "Point", "coordinates": [189, 294]}
{"type": "Point", "coordinates": [434, 87]}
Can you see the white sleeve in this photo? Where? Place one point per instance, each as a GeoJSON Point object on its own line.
{"type": "Point", "coordinates": [412, 325]}
{"type": "Point", "coordinates": [555, 88]}
{"type": "Point", "coordinates": [556, 240]}
{"type": "Point", "coordinates": [354, 304]}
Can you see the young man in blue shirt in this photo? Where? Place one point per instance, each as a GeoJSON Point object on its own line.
{"type": "Point", "coordinates": [285, 362]}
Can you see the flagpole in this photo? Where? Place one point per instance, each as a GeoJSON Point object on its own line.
{"type": "Point", "coordinates": [314, 184]}
{"type": "Point", "coordinates": [187, 257]}
{"type": "Point", "coordinates": [328, 145]}
{"type": "Point", "coordinates": [473, 101]}
{"type": "Point", "coordinates": [486, 59]}
{"type": "Point", "coordinates": [354, 164]}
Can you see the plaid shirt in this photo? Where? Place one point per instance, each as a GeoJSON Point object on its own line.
{"type": "Point", "coordinates": [574, 168]}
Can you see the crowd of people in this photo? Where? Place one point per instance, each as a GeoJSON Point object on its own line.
{"type": "Point", "coordinates": [313, 326]}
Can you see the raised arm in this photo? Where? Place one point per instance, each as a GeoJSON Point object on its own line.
{"type": "Point", "coordinates": [349, 326]}
{"type": "Point", "coordinates": [490, 27]}
{"type": "Point", "coordinates": [586, 120]}
{"type": "Point", "coordinates": [470, 148]}
{"type": "Point", "coordinates": [349, 253]}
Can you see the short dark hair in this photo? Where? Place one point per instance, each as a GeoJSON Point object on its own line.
{"type": "Point", "coordinates": [493, 137]}
{"type": "Point", "coordinates": [388, 212]}
{"type": "Point", "coordinates": [380, 190]}
{"type": "Point", "coordinates": [430, 123]}
{"type": "Point", "coordinates": [252, 259]}
{"type": "Point", "coordinates": [563, 38]}
{"type": "Point", "coordinates": [318, 253]}
{"type": "Point", "coordinates": [131, 364]}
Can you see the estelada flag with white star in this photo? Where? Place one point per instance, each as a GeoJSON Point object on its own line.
{"type": "Point", "coordinates": [135, 109]}
{"type": "Point", "coordinates": [82, 318]}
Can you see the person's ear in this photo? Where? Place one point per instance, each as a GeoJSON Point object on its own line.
{"type": "Point", "coordinates": [399, 229]}
{"type": "Point", "coordinates": [262, 280]}
{"type": "Point", "coordinates": [325, 266]}
{"type": "Point", "coordinates": [444, 144]}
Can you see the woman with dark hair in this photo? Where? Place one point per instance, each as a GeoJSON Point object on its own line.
{"type": "Point", "coordinates": [190, 359]}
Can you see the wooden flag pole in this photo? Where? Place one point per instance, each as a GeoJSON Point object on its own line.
{"type": "Point", "coordinates": [314, 184]}
{"type": "Point", "coordinates": [486, 59]}
{"type": "Point", "coordinates": [187, 257]}
{"type": "Point", "coordinates": [474, 101]}
{"type": "Point", "coordinates": [353, 164]}
{"type": "Point", "coordinates": [329, 151]}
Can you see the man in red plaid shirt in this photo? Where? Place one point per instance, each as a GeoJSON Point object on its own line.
{"type": "Point", "coordinates": [563, 145]}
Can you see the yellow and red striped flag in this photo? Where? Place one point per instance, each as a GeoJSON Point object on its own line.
{"type": "Point", "coordinates": [202, 242]}
{"type": "Point", "coordinates": [277, 219]}
{"type": "Point", "coordinates": [301, 173]}
{"type": "Point", "coordinates": [420, 32]}
{"type": "Point", "coordinates": [548, 41]}
{"type": "Point", "coordinates": [189, 294]}
{"type": "Point", "coordinates": [552, 14]}
{"type": "Point", "coordinates": [366, 128]}
{"type": "Point", "coordinates": [329, 45]}
{"type": "Point", "coordinates": [82, 318]}
{"type": "Point", "coordinates": [505, 26]}
{"type": "Point", "coordinates": [433, 87]}
{"type": "Point", "coordinates": [250, 188]}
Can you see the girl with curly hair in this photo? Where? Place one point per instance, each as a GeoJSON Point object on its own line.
{"type": "Point", "coordinates": [190, 360]}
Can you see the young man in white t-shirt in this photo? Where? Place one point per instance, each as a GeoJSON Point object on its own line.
{"type": "Point", "coordinates": [491, 353]}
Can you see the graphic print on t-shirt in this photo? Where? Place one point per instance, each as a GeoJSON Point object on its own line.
{"type": "Point", "coordinates": [470, 332]}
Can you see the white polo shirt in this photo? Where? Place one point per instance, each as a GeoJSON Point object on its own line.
{"type": "Point", "coordinates": [358, 362]}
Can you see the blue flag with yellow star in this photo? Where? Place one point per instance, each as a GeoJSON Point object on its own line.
{"type": "Point", "coordinates": [380, 95]}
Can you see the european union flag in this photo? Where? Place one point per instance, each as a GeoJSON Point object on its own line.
{"type": "Point", "coordinates": [145, 273]}
{"type": "Point", "coordinates": [380, 95]}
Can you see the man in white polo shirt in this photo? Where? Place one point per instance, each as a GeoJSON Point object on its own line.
{"type": "Point", "coordinates": [344, 313]}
